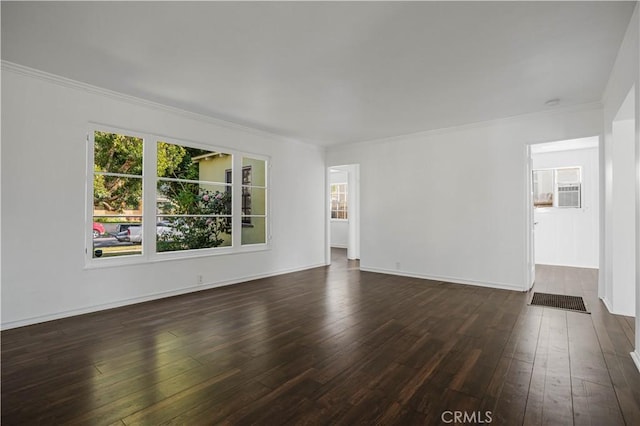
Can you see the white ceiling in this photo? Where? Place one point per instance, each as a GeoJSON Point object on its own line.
{"type": "Point", "coordinates": [566, 145]}
{"type": "Point", "coordinates": [328, 72]}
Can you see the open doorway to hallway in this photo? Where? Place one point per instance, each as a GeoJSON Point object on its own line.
{"type": "Point", "coordinates": [344, 212]}
{"type": "Point", "coordinates": [563, 205]}
{"type": "Point", "coordinates": [566, 203]}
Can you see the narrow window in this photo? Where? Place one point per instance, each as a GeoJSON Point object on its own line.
{"type": "Point", "coordinates": [246, 193]}
{"type": "Point", "coordinates": [254, 201]}
{"type": "Point", "coordinates": [339, 201]}
{"type": "Point", "coordinates": [543, 188]}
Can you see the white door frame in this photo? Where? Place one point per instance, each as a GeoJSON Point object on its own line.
{"type": "Point", "coordinates": [530, 227]}
{"type": "Point", "coordinates": [530, 252]}
{"type": "Point", "coordinates": [353, 211]}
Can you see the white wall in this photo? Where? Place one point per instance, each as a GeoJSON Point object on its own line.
{"type": "Point", "coordinates": [450, 204]}
{"type": "Point", "coordinates": [339, 228]}
{"type": "Point", "coordinates": [620, 205]}
{"type": "Point", "coordinates": [624, 78]}
{"type": "Point", "coordinates": [617, 285]}
{"type": "Point", "coordinates": [623, 218]}
{"type": "Point", "coordinates": [44, 126]}
{"type": "Point", "coordinates": [635, 355]}
{"type": "Point", "coordinates": [569, 236]}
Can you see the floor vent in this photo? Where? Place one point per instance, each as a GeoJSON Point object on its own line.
{"type": "Point", "coordinates": [559, 301]}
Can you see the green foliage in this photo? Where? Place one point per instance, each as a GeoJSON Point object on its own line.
{"type": "Point", "coordinates": [171, 159]}
{"type": "Point", "coordinates": [188, 198]}
{"type": "Point", "coordinates": [188, 233]}
{"type": "Point", "coordinates": [175, 161]}
{"type": "Point", "coordinates": [117, 153]}
{"type": "Point", "coordinates": [114, 153]}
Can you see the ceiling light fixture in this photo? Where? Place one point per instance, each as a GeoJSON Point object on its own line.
{"type": "Point", "coordinates": [552, 102]}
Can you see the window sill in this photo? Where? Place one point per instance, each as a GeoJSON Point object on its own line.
{"type": "Point", "coordinates": [165, 257]}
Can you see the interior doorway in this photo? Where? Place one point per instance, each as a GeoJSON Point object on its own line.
{"type": "Point", "coordinates": [343, 216]}
{"type": "Point", "coordinates": [564, 204]}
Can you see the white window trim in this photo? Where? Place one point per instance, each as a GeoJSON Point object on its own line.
{"type": "Point", "coordinates": [149, 192]}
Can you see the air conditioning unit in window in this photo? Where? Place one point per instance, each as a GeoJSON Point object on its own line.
{"type": "Point", "coordinates": [569, 195]}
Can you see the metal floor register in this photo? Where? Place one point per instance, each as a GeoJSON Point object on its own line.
{"type": "Point", "coordinates": [559, 301]}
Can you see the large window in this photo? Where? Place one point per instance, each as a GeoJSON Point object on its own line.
{"type": "Point", "coordinates": [204, 200]}
{"type": "Point", "coordinates": [560, 187]}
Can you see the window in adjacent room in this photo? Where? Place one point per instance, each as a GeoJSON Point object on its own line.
{"type": "Point", "coordinates": [339, 201]}
{"type": "Point", "coordinates": [559, 187]}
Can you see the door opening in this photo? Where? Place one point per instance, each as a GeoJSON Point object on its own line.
{"type": "Point", "coordinates": [563, 212]}
{"type": "Point", "coordinates": [343, 218]}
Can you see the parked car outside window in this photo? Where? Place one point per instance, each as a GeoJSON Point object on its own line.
{"type": "Point", "coordinates": [98, 229]}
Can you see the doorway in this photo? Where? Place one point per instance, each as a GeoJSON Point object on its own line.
{"type": "Point", "coordinates": [564, 204]}
{"type": "Point", "coordinates": [343, 216]}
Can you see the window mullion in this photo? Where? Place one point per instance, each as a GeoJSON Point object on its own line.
{"type": "Point", "coordinates": [236, 201]}
{"type": "Point", "coordinates": [89, 194]}
{"type": "Point", "coordinates": [149, 179]}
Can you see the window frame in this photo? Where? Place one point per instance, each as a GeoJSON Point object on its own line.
{"type": "Point", "coordinates": [247, 221]}
{"type": "Point", "coordinates": [150, 181]}
{"type": "Point", "coordinates": [346, 194]}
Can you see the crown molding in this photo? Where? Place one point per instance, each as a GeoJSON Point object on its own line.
{"type": "Point", "coordinates": [7, 66]}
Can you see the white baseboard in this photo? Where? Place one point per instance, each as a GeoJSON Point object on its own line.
{"type": "Point", "coordinates": [607, 305]}
{"type": "Point", "coordinates": [567, 265]}
{"type": "Point", "coordinates": [635, 356]}
{"type": "Point", "coordinates": [500, 286]}
{"type": "Point", "coordinates": [155, 296]}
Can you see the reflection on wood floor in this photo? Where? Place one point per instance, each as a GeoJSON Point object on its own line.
{"type": "Point", "coordinates": [329, 346]}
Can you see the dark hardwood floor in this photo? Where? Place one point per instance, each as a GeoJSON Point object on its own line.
{"type": "Point", "coordinates": [330, 346]}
